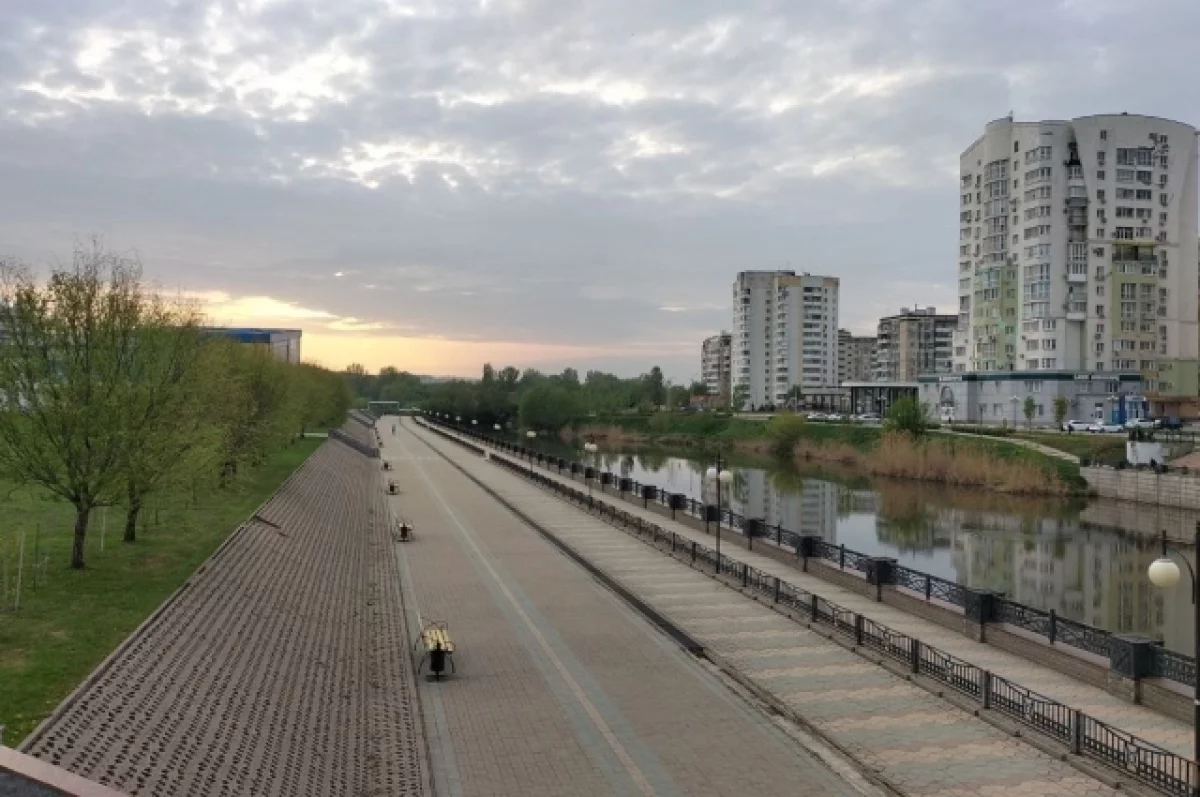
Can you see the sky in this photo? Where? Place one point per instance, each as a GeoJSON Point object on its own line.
{"type": "Point", "coordinates": [435, 184]}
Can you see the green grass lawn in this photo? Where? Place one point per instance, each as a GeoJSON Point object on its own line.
{"type": "Point", "coordinates": [1104, 448]}
{"type": "Point", "coordinates": [69, 620]}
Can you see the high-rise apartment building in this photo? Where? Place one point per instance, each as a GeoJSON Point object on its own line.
{"type": "Point", "coordinates": [1078, 251]}
{"type": "Point", "coordinates": [855, 357]}
{"type": "Point", "coordinates": [916, 342]}
{"type": "Point", "coordinates": [785, 334]}
{"type": "Point", "coordinates": [715, 365]}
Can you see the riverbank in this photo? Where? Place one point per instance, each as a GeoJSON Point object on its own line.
{"type": "Point", "coordinates": [994, 464]}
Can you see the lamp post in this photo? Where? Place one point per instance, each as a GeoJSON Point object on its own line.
{"type": "Point", "coordinates": [1015, 401]}
{"type": "Point", "coordinates": [719, 475]}
{"type": "Point", "coordinates": [531, 435]}
{"type": "Point", "coordinates": [591, 449]}
{"type": "Point", "coordinates": [1112, 408]}
{"type": "Point", "coordinates": [1164, 573]}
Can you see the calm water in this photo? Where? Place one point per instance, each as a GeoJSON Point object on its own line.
{"type": "Point", "coordinates": [1086, 560]}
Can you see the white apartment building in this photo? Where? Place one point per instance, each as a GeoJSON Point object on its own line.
{"type": "Point", "coordinates": [1078, 251]}
{"type": "Point", "coordinates": [715, 366]}
{"type": "Point", "coordinates": [785, 334]}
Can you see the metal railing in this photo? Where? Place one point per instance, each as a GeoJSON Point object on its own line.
{"type": "Point", "coordinates": [1056, 630]}
{"type": "Point", "coordinates": [1081, 733]}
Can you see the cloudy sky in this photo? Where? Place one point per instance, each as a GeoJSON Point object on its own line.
{"type": "Point", "coordinates": [437, 183]}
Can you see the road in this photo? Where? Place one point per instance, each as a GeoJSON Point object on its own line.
{"type": "Point", "coordinates": [561, 687]}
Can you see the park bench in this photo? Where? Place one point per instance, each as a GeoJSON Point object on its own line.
{"type": "Point", "coordinates": [403, 531]}
{"type": "Point", "coordinates": [437, 646]}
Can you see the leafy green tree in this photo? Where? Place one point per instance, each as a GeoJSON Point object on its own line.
{"type": "Point", "coordinates": [548, 407]}
{"type": "Point", "coordinates": [908, 415]}
{"type": "Point", "coordinates": [68, 370]}
{"type": "Point", "coordinates": [678, 396]}
{"type": "Point", "coordinates": [1029, 409]}
{"type": "Point", "coordinates": [741, 395]}
{"type": "Point", "coordinates": [698, 389]}
{"type": "Point", "coordinates": [1061, 406]}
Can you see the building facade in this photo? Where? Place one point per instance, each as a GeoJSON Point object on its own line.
{"type": "Point", "coordinates": [914, 343]}
{"type": "Point", "coordinates": [785, 335]}
{"type": "Point", "coordinates": [856, 355]}
{"type": "Point", "coordinates": [283, 344]}
{"type": "Point", "coordinates": [999, 397]}
{"type": "Point", "coordinates": [1078, 252]}
{"type": "Point", "coordinates": [715, 365]}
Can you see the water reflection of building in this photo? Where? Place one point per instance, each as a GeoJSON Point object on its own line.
{"type": "Point", "coordinates": [813, 509]}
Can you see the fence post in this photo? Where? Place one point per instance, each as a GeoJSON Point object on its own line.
{"type": "Point", "coordinates": [745, 575]}
{"type": "Point", "coordinates": [842, 557]}
{"type": "Point", "coordinates": [693, 550]}
{"type": "Point", "coordinates": [915, 648]}
{"type": "Point", "coordinates": [1052, 632]}
{"type": "Point", "coordinates": [928, 587]}
{"type": "Point", "coordinates": [985, 688]}
{"type": "Point", "coordinates": [776, 599]}
{"type": "Point", "coordinates": [1076, 731]}
{"type": "Point", "coordinates": [672, 542]}
{"type": "Point", "coordinates": [813, 606]}
{"type": "Point", "coordinates": [858, 629]}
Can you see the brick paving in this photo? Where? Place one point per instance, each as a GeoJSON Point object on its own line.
{"type": "Point", "coordinates": [561, 689]}
{"type": "Point", "coordinates": [919, 743]}
{"type": "Point", "coordinates": [281, 668]}
{"type": "Point", "coordinates": [1138, 720]}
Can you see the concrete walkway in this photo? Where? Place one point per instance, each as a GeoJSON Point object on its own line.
{"type": "Point", "coordinates": [560, 688]}
{"type": "Point", "coordinates": [279, 669]}
{"type": "Point", "coordinates": [918, 743]}
{"type": "Point", "coordinates": [1138, 720]}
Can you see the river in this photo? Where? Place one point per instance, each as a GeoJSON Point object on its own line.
{"type": "Point", "coordinates": [1085, 559]}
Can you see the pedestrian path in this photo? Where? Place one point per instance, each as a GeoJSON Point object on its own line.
{"type": "Point", "coordinates": [921, 745]}
{"type": "Point", "coordinates": [281, 667]}
{"type": "Point", "coordinates": [1140, 721]}
{"type": "Point", "coordinates": [560, 688]}
{"type": "Point", "coordinates": [1018, 441]}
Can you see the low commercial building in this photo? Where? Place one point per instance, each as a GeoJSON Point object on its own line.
{"type": "Point", "coordinates": [283, 344]}
{"type": "Point", "coordinates": [996, 398]}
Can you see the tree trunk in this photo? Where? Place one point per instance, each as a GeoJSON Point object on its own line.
{"type": "Point", "coordinates": [82, 515]}
{"type": "Point", "coordinates": [131, 519]}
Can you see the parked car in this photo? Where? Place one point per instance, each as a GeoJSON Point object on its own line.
{"type": "Point", "coordinates": [1169, 423]}
{"type": "Point", "coordinates": [1076, 426]}
{"type": "Point", "coordinates": [1105, 427]}
{"type": "Point", "coordinates": [870, 417]}
{"type": "Point", "coordinates": [1141, 423]}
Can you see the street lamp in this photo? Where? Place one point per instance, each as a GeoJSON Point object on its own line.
{"type": "Point", "coordinates": [1014, 401]}
{"type": "Point", "coordinates": [591, 448]}
{"type": "Point", "coordinates": [1164, 573]}
{"type": "Point", "coordinates": [531, 435]}
{"type": "Point", "coordinates": [719, 476]}
{"type": "Point", "coordinates": [1112, 407]}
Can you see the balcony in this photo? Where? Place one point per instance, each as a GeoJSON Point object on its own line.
{"type": "Point", "coordinates": [1077, 277]}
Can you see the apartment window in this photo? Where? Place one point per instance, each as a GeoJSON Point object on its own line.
{"type": "Point", "coordinates": [1123, 233]}
{"type": "Point", "coordinates": [1033, 386]}
{"type": "Point", "coordinates": [1124, 213]}
{"type": "Point", "coordinates": [1145, 177]}
{"type": "Point", "coordinates": [1103, 135]}
{"type": "Point", "coordinates": [1162, 218]}
{"type": "Point", "coordinates": [1144, 194]}
{"type": "Point", "coordinates": [1099, 348]}
{"type": "Point", "coordinates": [1100, 158]}
{"type": "Point", "coordinates": [1100, 311]}
{"type": "Point", "coordinates": [1099, 232]}
{"type": "Point", "coordinates": [1100, 194]}
{"type": "Point", "coordinates": [1162, 161]}
{"type": "Point", "coordinates": [1099, 173]}
{"type": "Point", "coordinates": [1050, 324]}
{"type": "Point", "coordinates": [1126, 175]}
{"type": "Point", "coordinates": [1099, 290]}
{"type": "Point", "coordinates": [1050, 344]}
{"type": "Point", "coordinates": [1031, 345]}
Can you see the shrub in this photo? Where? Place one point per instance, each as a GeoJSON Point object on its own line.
{"type": "Point", "coordinates": [909, 416]}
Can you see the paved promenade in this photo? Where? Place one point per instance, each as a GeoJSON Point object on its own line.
{"type": "Point", "coordinates": [1150, 725]}
{"type": "Point", "coordinates": [281, 668]}
{"type": "Point", "coordinates": [920, 744]}
{"type": "Point", "coordinates": [561, 688]}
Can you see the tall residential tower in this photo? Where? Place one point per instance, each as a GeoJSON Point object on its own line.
{"type": "Point", "coordinates": [1078, 251]}
{"type": "Point", "coordinates": [785, 334]}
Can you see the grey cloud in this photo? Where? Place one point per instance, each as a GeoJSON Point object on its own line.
{"type": "Point", "coordinates": [512, 196]}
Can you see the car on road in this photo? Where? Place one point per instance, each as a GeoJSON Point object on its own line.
{"type": "Point", "coordinates": [1141, 423]}
{"type": "Point", "coordinates": [1105, 427]}
{"type": "Point", "coordinates": [1076, 426]}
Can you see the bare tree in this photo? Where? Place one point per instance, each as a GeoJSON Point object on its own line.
{"type": "Point", "coordinates": [66, 366]}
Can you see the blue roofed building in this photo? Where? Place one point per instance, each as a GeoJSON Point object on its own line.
{"type": "Point", "coordinates": [284, 344]}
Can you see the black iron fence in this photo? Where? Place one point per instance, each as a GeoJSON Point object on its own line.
{"type": "Point", "coordinates": [1056, 630]}
{"type": "Point", "coordinates": [359, 446]}
{"type": "Point", "coordinates": [1082, 734]}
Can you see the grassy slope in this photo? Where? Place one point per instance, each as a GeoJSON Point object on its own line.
{"type": "Point", "coordinates": [71, 621]}
{"type": "Point", "coordinates": [667, 428]}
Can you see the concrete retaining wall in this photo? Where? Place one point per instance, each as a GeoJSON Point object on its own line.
{"type": "Point", "coordinates": [1145, 486]}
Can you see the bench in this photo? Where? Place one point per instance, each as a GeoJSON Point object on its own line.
{"type": "Point", "coordinates": [403, 531]}
{"type": "Point", "coordinates": [437, 646]}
